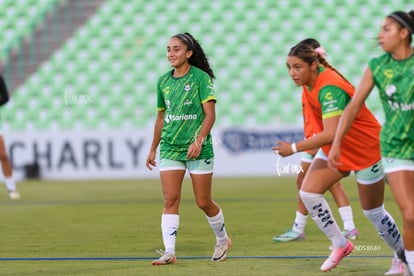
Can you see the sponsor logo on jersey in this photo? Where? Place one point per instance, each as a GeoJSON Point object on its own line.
{"type": "Point", "coordinates": [171, 117]}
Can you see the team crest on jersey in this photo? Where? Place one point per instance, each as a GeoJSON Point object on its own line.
{"type": "Point", "coordinates": [390, 89]}
{"type": "Point", "coordinates": [187, 87]}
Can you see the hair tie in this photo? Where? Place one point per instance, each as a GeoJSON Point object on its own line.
{"type": "Point", "coordinates": [321, 51]}
{"type": "Point", "coordinates": [397, 17]}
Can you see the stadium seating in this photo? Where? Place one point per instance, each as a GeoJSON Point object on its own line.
{"type": "Point", "coordinates": [104, 77]}
{"type": "Point", "coordinates": [17, 19]}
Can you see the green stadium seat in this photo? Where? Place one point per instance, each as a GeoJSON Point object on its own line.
{"type": "Point", "coordinates": [120, 53]}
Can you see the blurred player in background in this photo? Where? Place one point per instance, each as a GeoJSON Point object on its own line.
{"type": "Point", "coordinates": [328, 92]}
{"type": "Point", "coordinates": [393, 75]}
{"type": "Point", "coordinates": [311, 128]}
{"type": "Point", "coordinates": [186, 114]}
{"type": "Point", "coordinates": [5, 162]}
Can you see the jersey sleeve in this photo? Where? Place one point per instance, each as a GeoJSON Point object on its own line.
{"type": "Point", "coordinates": [207, 92]}
{"type": "Point", "coordinates": [160, 97]}
{"type": "Point", "coordinates": [333, 101]}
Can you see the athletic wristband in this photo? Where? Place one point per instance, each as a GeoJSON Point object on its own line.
{"type": "Point", "coordinates": [294, 149]}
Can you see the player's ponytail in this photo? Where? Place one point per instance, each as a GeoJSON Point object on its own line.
{"type": "Point", "coordinates": [310, 50]}
{"type": "Point", "coordinates": [198, 58]}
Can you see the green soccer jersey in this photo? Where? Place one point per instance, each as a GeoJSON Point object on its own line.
{"type": "Point", "coordinates": [395, 82]}
{"type": "Point", "coordinates": [182, 99]}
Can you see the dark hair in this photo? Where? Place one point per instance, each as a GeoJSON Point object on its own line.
{"type": "Point", "coordinates": [310, 42]}
{"type": "Point", "coordinates": [405, 20]}
{"type": "Point", "coordinates": [198, 58]}
{"type": "Point", "coordinates": [305, 50]}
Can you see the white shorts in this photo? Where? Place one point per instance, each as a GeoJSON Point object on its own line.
{"type": "Point", "coordinates": [395, 165]}
{"type": "Point", "coordinates": [307, 158]}
{"type": "Point", "coordinates": [201, 166]}
{"type": "Point", "coordinates": [367, 176]}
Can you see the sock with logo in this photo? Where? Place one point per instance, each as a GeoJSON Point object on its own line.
{"type": "Point", "coordinates": [386, 227]}
{"type": "Point", "coordinates": [217, 225]}
{"type": "Point", "coordinates": [169, 227]}
{"type": "Point", "coordinates": [319, 209]}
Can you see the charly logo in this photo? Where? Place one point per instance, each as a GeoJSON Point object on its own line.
{"type": "Point", "coordinates": [166, 90]}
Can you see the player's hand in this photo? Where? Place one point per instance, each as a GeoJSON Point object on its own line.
{"type": "Point", "coordinates": [283, 148]}
{"type": "Point", "coordinates": [150, 162]}
{"type": "Point", "coordinates": [194, 150]}
{"type": "Point", "coordinates": [333, 158]}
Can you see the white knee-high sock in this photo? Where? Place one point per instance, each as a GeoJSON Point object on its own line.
{"type": "Point", "coordinates": [10, 184]}
{"type": "Point", "coordinates": [386, 227]}
{"type": "Point", "coordinates": [300, 222]}
{"type": "Point", "coordinates": [169, 227]}
{"type": "Point", "coordinates": [217, 225]}
{"type": "Point", "coordinates": [409, 256]}
{"type": "Point", "coordinates": [319, 209]}
{"type": "Point", "coordinates": [347, 217]}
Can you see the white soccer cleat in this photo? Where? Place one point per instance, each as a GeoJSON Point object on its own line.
{"type": "Point", "coordinates": [14, 195]}
{"type": "Point", "coordinates": [396, 267]}
{"type": "Point", "coordinates": [221, 251]}
{"type": "Point", "coordinates": [165, 258]}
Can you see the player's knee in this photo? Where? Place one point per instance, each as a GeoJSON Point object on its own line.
{"type": "Point", "coordinates": [408, 217]}
{"type": "Point", "coordinates": [171, 201]}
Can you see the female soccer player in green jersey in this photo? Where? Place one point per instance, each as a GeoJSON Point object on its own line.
{"type": "Point", "coordinates": [186, 113]}
{"type": "Point", "coordinates": [393, 74]}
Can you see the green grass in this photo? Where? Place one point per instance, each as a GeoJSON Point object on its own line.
{"type": "Point", "coordinates": [117, 219]}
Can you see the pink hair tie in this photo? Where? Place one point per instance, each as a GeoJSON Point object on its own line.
{"type": "Point", "coordinates": [321, 51]}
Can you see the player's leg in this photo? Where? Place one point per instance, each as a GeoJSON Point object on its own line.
{"type": "Point", "coordinates": [297, 232]}
{"type": "Point", "coordinates": [7, 171]}
{"type": "Point", "coordinates": [201, 172]}
{"type": "Point", "coordinates": [317, 181]}
{"type": "Point", "coordinates": [345, 211]}
{"type": "Point", "coordinates": [371, 195]}
{"type": "Point", "coordinates": [400, 175]}
{"type": "Point", "coordinates": [172, 175]}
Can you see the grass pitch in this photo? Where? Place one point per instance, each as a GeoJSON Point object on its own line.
{"type": "Point", "coordinates": [113, 228]}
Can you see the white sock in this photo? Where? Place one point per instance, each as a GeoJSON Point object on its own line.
{"type": "Point", "coordinates": [319, 209]}
{"type": "Point", "coordinates": [300, 222]}
{"type": "Point", "coordinates": [169, 227]}
{"type": "Point", "coordinates": [386, 227]}
{"type": "Point", "coordinates": [409, 255]}
{"type": "Point", "coordinates": [347, 217]}
{"type": "Point", "coordinates": [10, 184]}
{"type": "Point", "coordinates": [217, 224]}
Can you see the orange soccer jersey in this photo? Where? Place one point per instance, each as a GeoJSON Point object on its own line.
{"type": "Point", "coordinates": [360, 148]}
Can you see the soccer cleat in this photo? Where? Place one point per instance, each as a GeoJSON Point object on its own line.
{"type": "Point", "coordinates": [221, 251]}
{"type": "Point", "coordinates": [290, 235]}
{"type": "Point", "coordinates": [396, 267]}
{"type": "Point", "coordinates": [403, 259]}
{"type": "Point", "coordinates": [350, 234]}
{"type": "Point", "coordinates": [337, 254]}
{"type": "Point", "coordinates": [165, 258]}
{"type": "Point", "coordinates": [14, 195]}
